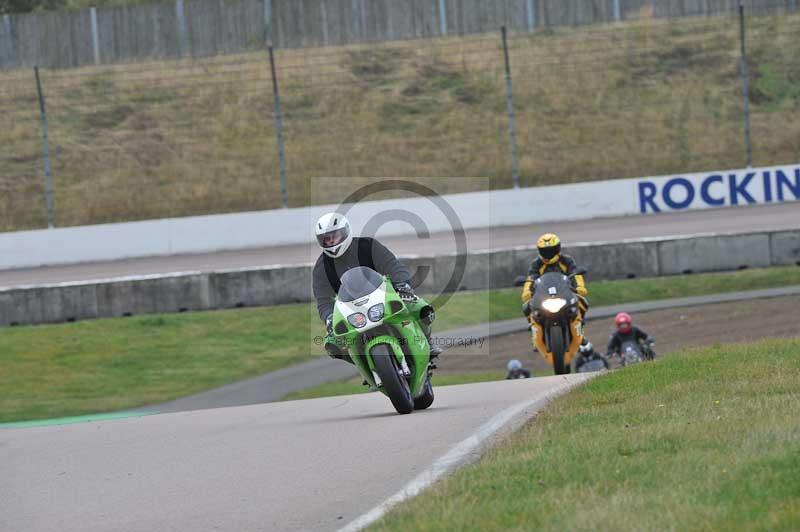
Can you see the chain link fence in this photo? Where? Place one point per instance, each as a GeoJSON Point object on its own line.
{"type": "Point", "coordinates": [204, 28]}
{"type": "Point", "coordinates": [191, 137]}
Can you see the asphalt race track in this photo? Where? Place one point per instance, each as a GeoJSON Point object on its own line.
{"type": "Point", "coordinates": [304, 465]}
{"type": "Point", "coordinates": [754, 218]}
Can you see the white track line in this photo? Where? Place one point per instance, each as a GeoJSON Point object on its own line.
{"type": "Point", "coordinates": [464, 452]}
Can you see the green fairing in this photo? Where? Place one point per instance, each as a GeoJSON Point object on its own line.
{"type": "Point", "coordinates": [406, 324]}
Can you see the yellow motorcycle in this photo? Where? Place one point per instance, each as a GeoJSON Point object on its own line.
{"type": "Point", "coordinates": [556, 329]}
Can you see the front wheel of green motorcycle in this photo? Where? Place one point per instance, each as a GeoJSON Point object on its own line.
{"type": "Point", "coordinates": [394, 385]}
{"type": "Point", "coordinates": [426, 399]}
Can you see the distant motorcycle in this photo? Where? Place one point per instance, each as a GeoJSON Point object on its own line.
{"type": "Point", "coordinates": [633, 352]}
{"type": "Point", "coordinates": [555, 319]}
{"type": "Point", "coordinates": [384, 339]}
{"type": "Point", "coordinates": [594, 362]}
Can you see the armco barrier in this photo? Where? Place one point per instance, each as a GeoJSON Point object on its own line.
{"type": "Point", "coordinates": [481, 270]}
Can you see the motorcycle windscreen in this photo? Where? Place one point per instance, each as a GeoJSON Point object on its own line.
{"type": "Point", "coordinates": [631, 344]}
{"type": "Point", "coordinates": [551, 284]}
{"type": "Point", "coordinates": [359, 282]}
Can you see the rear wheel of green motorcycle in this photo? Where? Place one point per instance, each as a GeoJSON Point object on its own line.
{"type": "Point", "coordinates": [395, 385]}
{"type": "Point", "coordinates": [557, 348]}
{"type": "Point", "coordinates": [426, 399]}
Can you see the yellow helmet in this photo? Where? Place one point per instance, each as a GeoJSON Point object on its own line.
{"type": "Point", "coordinates": [549, 247]}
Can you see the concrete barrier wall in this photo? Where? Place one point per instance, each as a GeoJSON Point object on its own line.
{"type": "Point", "coordinates": [292, 284]}
{"type": "Point", "coordinates": [714, 253]}
{"type": "Point", "coordinates": [784, 248]}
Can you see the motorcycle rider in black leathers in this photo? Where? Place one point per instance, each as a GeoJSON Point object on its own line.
{"type": "Point", "coordinates": [626, 331]}
{"type": "Point", "coordinates": [587, 353]}
{"type": "Point", "coordinates": [341, 252]}
{"type": "Point", "coordinates": [550, 259]}
{"type": "Point", "coordinates": [516, 371]}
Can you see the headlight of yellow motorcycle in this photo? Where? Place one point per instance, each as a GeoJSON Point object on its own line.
{"type": "Point", "coordinates": [554, 305]}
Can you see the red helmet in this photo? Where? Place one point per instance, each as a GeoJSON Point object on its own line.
{"type": "Point", "coordinates": [623, 321]}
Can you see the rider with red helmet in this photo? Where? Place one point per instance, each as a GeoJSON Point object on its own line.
{"type": "Point", "coordinates": [626, 331]}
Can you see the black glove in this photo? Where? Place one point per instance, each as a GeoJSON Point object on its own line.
{"type": "Point", "coordinates": [329, 324]}
{"type": "Point", "coordinates": [405, 291]}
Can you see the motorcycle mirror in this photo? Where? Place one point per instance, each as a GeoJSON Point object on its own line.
{"type": "Point", "coordinates": [519, 280]}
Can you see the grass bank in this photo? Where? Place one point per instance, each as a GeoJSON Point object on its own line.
{"type": "Point", "coordinates": [707, 439]}
{"type": "Point", "coordinates": [175, 138]}
{"type": "Point", "coordinates": [112, 364]}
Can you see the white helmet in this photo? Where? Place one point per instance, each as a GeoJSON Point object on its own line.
{"type": "Point", "coordinates": [514, 365]}
{"type": "Point", "coordinates": [333, 234]}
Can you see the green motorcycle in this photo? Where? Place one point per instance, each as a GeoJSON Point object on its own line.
{"type": "Point", "coordinates": [385, 336]}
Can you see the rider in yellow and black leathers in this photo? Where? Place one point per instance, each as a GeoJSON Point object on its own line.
{"type": "Point", "coordinates": [551, 259]}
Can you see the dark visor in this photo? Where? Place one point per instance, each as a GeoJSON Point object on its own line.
{"type": "Point", "coordinates": [333, 238]}
{"type": "Point", "coordinates": [549, 253]}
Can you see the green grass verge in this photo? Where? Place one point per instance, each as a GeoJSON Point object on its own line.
{"type": "Point", "coordinates": [353, 386]}
{"type": "Point", "coordinates": [708, 439]}
{"type": "Point", "coordinates": [111, 364]}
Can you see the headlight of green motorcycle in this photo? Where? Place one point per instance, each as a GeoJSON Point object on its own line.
{"type": "Point", "coordinates": [357, 320]}
{"type": "Point", "coordinates": [554, 305]}
{"type": "Point", "coordinates": [375, 312]}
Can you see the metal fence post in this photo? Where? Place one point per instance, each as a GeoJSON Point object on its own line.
{"type": "Point", "coordinates": [95, 35]}
{"type": "Point", "coordinates": [442, 17]}
{"type": "Point", "coordinates": [268, 22]}
{"type": "Point", "coordinates": [276, 100]}
{"type": "Point", "coordinates": [323, 22]}
{"type": "Point", "coordinates": [512, 128]}
{"type": "Point", "coordinates": [183, 48]}
{"type": "Point", "coordinates": [743, 70]}
{"type": "Point", "coordinates": [530, 11]}
{"type": "Point", "coordinates": [363, 12]}
{"type": "Point", "coordinates": [8, 43]}
{"type": "Point", "coordinates": [617, 11]}
{"type": "Point", "coordinates": [355, 18]}
{"type": "Point", "coordinates": [48, 175]}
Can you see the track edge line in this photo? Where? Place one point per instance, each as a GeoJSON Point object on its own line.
{"type": "Point", "coordinates": [464, 452]}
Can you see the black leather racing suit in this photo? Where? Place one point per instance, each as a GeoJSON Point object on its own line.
{"type": "Point", "coordinates": [616, 340]}
{"type": "Point", "coordinates": [325, 278]}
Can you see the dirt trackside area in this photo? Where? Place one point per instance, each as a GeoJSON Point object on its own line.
{"type": "Point", "coordinates": [673, 329]}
